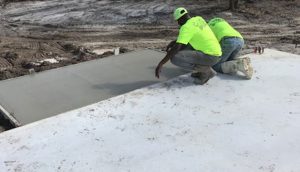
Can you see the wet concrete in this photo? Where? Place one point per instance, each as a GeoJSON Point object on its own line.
{"type": "Point", "coordinates": [42, 95]}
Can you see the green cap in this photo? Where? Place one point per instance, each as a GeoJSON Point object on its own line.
{"type": "Point", "coordinates": [179, 12]}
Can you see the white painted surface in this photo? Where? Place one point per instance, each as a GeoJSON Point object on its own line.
{"type": "Point", "coordinates": [228, 125]}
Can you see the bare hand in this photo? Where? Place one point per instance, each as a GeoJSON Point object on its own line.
{"type": "Point", "coordinates": [158, 70]}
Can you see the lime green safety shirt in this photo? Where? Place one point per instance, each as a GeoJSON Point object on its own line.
{"type": "Point", "coordinates": [197, 33]}
{"type": "Point", "coordinates": [223, 29]}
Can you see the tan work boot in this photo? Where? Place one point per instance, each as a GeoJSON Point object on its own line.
{"type": "Point", "coordinates": [202, 74]}
{"type": "Point", "coordinates": [242, 65]}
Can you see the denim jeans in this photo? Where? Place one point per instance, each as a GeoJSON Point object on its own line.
{"type": "Point", "coordinates": [230, 49]}
{"type": "Point", "coordinates": [189, 59]}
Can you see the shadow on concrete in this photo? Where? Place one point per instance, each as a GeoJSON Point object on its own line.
{"type": "Point", "coordinates": [5, 124]}
{"type": "Point", "coordinates": [117, 89]}
{"type": "Point", "coordinates": [231, 77]}
{"type": "Point", "coordinates": [169, 73]}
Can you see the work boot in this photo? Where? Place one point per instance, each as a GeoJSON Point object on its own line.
{"type": "Point", "coordinates": [202, 74]}
{"type": "Point", "coordinates": [196, 75]}
{"type": "Point", "coordinates": [242, 65]}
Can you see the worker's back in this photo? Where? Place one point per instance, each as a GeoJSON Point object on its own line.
{"type": "Point", "coordinates": [222, 29]}
{"type": "Point", "coordinates": [197, 33]}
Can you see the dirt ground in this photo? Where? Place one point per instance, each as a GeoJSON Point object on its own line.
{"type": "Point", "coordinates": [41, 35]}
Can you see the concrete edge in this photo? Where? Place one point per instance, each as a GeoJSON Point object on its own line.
{"type": "Point", "coordinates": [89, 61]}
{"type": "Point", "coordinates": [10, 117]}
{"type": "Point", "coordinates": [18, 125]}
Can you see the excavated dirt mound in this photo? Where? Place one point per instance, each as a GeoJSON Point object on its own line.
{"type": "Point", "coordinates": [36, 32]}
{"type": "Point", "coordinates": [24, 56]}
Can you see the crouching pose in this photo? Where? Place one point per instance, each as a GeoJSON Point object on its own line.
{"type": "Point", "coordinates": [196, 48]}
{"type": "Point", "coordinates": [231, 42]}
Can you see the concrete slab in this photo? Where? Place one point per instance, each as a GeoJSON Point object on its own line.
{"type": "Point", "coordinates": [31, 98]}
{"type": "Point", "coordinates": [228, 125]}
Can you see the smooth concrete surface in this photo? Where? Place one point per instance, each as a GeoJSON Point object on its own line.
{"type": "Point", "coordinates": [227, 125]}
{"type": "Point", "coordinates": [32, 98]}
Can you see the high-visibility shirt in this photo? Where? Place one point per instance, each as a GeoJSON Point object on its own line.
{"type": "Point", "coordinates": [197, 33]}
{"type": "Point", "coordinates": [223, 29]}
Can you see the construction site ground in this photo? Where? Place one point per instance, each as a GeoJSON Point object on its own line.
{"type": "Point", "coordinates": [229, 124]}
{"type": "Point", "coordinates": [41, 35]}
{"type": "Point", "coordinates": [56, 91]}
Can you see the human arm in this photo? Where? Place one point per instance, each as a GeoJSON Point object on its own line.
{"type": "Point", "coordinates": [174, 50]}
{"type": "Point", "coordinates": [170, 45]}
{"type": "Point", "coordinates": [185, 35]}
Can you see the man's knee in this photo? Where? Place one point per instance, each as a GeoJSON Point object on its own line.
{"type": "Point", "coordinates": [175, 59]}
{"type": "Point", "coordinates": [217, 67]}
{"type": "Point", "coordinates": [215, 60]}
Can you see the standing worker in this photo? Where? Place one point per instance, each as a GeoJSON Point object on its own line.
{"type": "Point", "coordinates": [231, 42]}
{"type": "Point", "coordinates": [196, 48]}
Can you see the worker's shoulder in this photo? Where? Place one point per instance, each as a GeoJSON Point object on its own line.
{"type": "Point", "coordinates": [216, 20]}
{"type": "Point", "coordinates": [195, 21]}
{"type": "Point", "coordinates": [197, 18]}
{"type": "Point", "coordinates": [193, 24]}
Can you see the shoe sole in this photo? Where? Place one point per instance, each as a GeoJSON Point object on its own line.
{"type": "Point", "coordinates": [196, 75]}
{"type": "Point", "coordinates": [248, 67]}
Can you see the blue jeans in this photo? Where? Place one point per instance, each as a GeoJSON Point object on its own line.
{"type": "Point", "coordinates": [230, 49]}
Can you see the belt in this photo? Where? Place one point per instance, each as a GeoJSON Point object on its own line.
{"type": "Point", "coordinates": [230, 37]}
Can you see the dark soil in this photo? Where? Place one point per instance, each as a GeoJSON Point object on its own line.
{"type": "Point", "coordinates": [65, 53]}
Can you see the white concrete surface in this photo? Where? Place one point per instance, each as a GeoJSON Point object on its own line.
{"type": "Point", "coordinates": [228, 125]}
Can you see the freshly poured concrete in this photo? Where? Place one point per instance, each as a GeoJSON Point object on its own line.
{"type": "Point", "coordinates": [227, 125]}
{"type": "Point", "coordinates": [32, 98]}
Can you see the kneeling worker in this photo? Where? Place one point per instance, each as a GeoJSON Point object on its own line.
{"type": "Point", "coordinates": [231, 42]}
{"type": "Point", "coordinates": [196, 48]}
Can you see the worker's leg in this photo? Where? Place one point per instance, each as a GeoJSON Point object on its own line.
{"type": "Point", "coordinates": [189, 59]}
{"type": "Point", "coordinates": [198, 62]}
{"type": "Point", "coordinates": [238, 45]}
{"type": "Point", "coordinates": [242, 65]}
{"type": "Point", "coordinates": [230, 49]}
{"type": "Point", "coordinates": [229, 63]}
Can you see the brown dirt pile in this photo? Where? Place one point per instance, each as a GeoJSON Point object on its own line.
{"type": "Point", "coordinates": [30, 32]}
